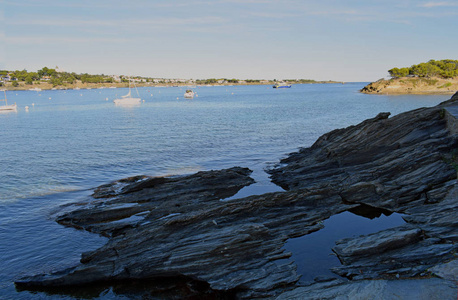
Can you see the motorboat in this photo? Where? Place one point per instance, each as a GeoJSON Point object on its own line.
{"type": "Point", "coordinates": [281, 85]}
{"type": "Point", "coordinates": [189, 94]}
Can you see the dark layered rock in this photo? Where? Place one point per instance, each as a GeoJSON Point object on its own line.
{"type": "Point", "coordinates": [405, 164]}
{"type": "Point", "coordinates": [181, 227]}
{"type": "Point", "coordinates": [391, 163]}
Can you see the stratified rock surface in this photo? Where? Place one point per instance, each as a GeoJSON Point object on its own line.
{"type": "Point", "coordinates": [182, 226]}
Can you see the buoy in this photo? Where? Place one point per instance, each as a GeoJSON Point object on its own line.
{"type": "Point", "coordinates": [33, 104]}
{"type": "Point", "coordinates": [106, 99]}
{"type": "Point", "coordinates": [49, 98]}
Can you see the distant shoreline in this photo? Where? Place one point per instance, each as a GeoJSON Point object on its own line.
{"type": "Point", "coordinates": [79, 85]}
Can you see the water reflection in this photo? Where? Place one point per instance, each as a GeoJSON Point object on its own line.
{"type": "Point", "coordinates": [313, 254]}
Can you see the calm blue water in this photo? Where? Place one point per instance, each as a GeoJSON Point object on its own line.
{"type": "Point", "coordinates": [71, 141]}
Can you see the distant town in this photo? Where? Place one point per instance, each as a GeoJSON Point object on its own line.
{"type": "Point", "coordinates": [56, 78]}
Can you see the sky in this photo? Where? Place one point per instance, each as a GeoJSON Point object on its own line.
{"type": "Point", "coordinates": [353, 40]}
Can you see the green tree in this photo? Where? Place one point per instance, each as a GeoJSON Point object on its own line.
{"type": "Point", "coordinates": [33, 75]}
{"type": "Point", "coordinates": [446, 68]}
{"type": "Point", "coordinates": [396, 72]}
{"type": "Point", "coordinates": [29, 79]}
{"type": "Point", "coordinates": [19, 75]}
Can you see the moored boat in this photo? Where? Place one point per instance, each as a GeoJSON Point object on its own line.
{"type": "Point", "coordinates": [189, 94]}
{"type": "Point", "coordinates": [128, 99]}
{"type": "Point", "coordinates": [281, 85]}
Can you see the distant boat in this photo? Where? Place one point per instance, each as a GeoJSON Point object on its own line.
{"type": "Point", "coordinates": [189, 94]}
{"type": "Point", "coordinates": [281, 85]}
{"type": "Point", "coordinates": [128, 99]}
{"type": "Point", "coordinates": [6, 107]}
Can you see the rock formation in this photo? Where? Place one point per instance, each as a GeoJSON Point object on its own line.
{"type": "Point", "coordinates": [182, 228]}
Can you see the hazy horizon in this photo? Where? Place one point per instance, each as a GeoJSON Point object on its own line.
{"type": "Point", "coordinates": [254, 39]}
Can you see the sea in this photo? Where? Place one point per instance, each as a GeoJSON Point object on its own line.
{"type": "Point", "coordinates": [61, 144]}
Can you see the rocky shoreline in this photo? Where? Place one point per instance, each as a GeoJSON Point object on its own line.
{"type": "Point", "coordinates": [412, 85]}
{"type": "Point", "coordinates": [180, 231]}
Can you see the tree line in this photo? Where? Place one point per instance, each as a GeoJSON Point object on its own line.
{"type": "Point", "coordinates": [446, 68]}
{"type": "Point", "coordinates": [54, 77]}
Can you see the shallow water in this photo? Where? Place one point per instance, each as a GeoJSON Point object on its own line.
{"type": "Point", "coordinates": [71, 141]}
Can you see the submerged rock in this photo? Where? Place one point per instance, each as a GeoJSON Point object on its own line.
{"type": "Point", "coordinates": [179, 227]}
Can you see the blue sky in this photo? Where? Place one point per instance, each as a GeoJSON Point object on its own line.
{"type": "Point", "coordinates": [248, 39]}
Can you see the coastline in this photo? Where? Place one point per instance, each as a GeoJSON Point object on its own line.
{"type": "Point", "coordinates": [79, 85]}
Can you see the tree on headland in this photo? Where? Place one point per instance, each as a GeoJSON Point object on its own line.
{"type": "Point", "coordinates": [396, 72]}
{"type": "Point", "coordinates": [446, 68]}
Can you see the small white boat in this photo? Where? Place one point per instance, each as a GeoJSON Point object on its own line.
{"type": "Point", "coordinates": [6, 107]}
{"type": "Point", "coordinates": [189, 94]}
{"type": "Point", "coordinates": [128, 100]}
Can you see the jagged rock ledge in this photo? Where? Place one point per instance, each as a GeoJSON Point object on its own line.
{"type": "Point", "coordinates": [181, 227]}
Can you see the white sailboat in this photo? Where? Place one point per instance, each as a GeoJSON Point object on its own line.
{"type": "Point", "coordinates": [128, 99]}
{"type": "Point", "coordinates": [6, 107]}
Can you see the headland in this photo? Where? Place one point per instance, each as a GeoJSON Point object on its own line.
{"type": "Point", "coordinates": [432, 77]}
{"type": "Point", "coordinates": [412, 85]}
